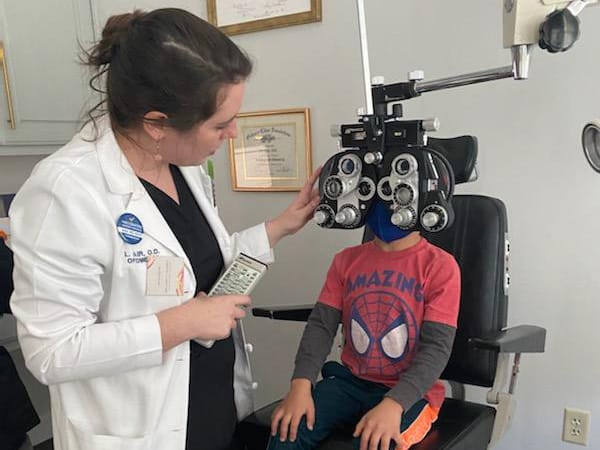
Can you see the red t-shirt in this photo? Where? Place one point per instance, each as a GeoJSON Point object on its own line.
{"type": "Point", "coordinates": [384, 298]}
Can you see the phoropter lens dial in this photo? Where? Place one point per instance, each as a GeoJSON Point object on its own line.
{"type": "Point", "coordinates": [324, 216]}
{"type": "Point", "coordinates": [434, 218]}
{"type": "Point", "coordinates": [334, 187]}
{"type": "Point", "coordinates": [404, 194]}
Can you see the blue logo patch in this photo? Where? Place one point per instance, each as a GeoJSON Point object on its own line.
{"type": "Point", "coordinates": [130, 228]}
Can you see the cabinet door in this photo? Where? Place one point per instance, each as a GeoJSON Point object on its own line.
{"type": "Point", "coordinates": [44, 82]}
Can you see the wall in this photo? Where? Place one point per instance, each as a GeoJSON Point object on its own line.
{"type": "Point", "coordinates": [14, 170]}
{"type": "Point", "coordinates": [530, 156]}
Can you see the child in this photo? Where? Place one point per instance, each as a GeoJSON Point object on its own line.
{"type": "Point", "coordinates": [397, 298]}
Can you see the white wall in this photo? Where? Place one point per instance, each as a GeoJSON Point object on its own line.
{"type": "Point", "coordinates": [530, 156]}
{"type": "Point", "coordinates": [14, 170]}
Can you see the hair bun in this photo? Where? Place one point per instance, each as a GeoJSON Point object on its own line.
{"type": "Point", "coordinates": [116, 27]}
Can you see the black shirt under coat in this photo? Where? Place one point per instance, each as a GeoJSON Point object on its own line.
{"type": "Point", "coordinates": [212, 415]}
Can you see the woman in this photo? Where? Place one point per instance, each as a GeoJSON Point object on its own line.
{"type": "Point", "coordinates": [125, 195]}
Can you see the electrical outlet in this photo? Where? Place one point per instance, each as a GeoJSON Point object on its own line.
{"type": "Point", "coordinates": [576, 426]}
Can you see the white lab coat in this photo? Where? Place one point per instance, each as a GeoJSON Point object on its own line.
{"type": "Point", "coordinates": [85, 325]}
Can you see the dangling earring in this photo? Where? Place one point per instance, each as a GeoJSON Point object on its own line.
{"type": "Point", "coordinates": [157, 156]}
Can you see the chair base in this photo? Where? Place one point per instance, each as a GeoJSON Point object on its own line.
{"type": "Point", "coordinates": [461, 425]}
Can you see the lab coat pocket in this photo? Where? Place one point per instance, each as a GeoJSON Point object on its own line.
{"type": "Point", "coordinates": [81, 437]}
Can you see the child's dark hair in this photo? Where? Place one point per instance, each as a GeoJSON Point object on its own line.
{"type": "Point", "coordinates": [166, 60]}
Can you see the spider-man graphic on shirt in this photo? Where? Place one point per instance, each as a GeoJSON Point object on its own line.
{"type": "Point", "coordinates": [382, 331]}
{"type": "Point", "coordinates": [384, 298]}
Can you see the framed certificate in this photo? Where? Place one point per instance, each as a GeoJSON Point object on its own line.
{"type": "Point", "coordinates": [272, 151]}
{"type": "Point", "coordinates": [244, 16]}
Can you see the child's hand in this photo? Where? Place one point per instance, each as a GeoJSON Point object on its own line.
{"type": "Point", "coordinates": [296, 404]}
{"type": "Point", "coordinates": [380, 425]}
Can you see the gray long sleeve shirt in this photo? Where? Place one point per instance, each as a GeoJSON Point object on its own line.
{"type": "Point", "coordinates": [433, 352]}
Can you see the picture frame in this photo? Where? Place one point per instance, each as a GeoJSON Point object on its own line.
{"type": "Point", "coordinates": [239, 16]}
{"type": "Point", "coordinates": [272, 150]}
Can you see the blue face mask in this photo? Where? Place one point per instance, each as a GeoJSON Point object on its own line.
{"type": "Point", "coordinates": [379, 221]}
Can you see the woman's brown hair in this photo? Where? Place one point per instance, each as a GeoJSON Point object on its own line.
{"type": "Point", "coordinates": [166, 60]}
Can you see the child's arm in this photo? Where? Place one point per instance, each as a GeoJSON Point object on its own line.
{"type": "Point", "coordinates": [314, 347]}
{"type": "Point", "coordinates": [440, 316]}
{"type": "Point", "coordinates": [316, 342]}
{"type": "Point", "coordinates": [435, 346]}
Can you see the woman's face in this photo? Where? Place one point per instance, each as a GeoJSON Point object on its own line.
{"type": "Point", "coordinates": [193, 147]}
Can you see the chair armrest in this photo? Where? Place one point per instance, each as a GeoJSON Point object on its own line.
{"type": "Point", "coordinates": [298, 313]}
{"type": "Point", "coordinates": [519, 339]}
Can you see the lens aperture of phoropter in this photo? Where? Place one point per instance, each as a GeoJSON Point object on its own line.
{"type": "Point", "coordinates": [402, 167]}
{"type": "Point", "coordinates": [386, 189]}
{"type": "Point", "coordinates": [348, 166]}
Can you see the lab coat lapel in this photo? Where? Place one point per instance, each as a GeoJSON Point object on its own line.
{"type": "Point", "coordinates": [141, 205]}
{"type": "Point", "coordinates": [121, 179]}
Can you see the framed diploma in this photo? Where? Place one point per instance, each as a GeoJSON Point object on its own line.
{"type": "Point", "coordinates": [272, 151]}
{"type": "Point", "coordinates": [245, 16]}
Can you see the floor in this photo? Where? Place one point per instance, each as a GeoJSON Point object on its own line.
{"type": "Point", "coordinates": [46, 445]}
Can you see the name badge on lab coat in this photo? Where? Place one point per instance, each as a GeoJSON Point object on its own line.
{"type": "Point", "coordinates": [164, 275]}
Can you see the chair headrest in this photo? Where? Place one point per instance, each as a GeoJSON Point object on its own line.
{"type": "Point", "coordinates": [461, 153]}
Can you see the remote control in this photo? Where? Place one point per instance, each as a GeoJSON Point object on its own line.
{"type": "Point", "coordinates": [239, 278]}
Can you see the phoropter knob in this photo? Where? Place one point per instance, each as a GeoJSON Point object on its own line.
{"type": "Point", "coordinates": [430, 125]}
{"type": "Point", "coordinates": [373, 158]}
{"type": "Point", "coordinates": [347, 216]}
{"type": "Point", "coordinates": [403, 218]}
{"type": "Point", "coordinates": [434, 218]}
{"type": "Point", "coordinates": [323, 216]}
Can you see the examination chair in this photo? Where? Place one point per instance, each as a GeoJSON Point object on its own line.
{"type": "Point", "coordinates": [483, 344]}
{"type": "Point", "coordinates": [17, 414]}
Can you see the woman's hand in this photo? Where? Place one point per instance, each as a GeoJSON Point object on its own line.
{"type": "Point", "coordinates": [297, 213]}
{"type": "Point", "coordinates": [216, 316]}
{"type": "Point", "coordinates": [381, 425]}
{"type": "Point", "coordinates": [297, 403]}
{"type": "Point", "coordinates": [206, 318]}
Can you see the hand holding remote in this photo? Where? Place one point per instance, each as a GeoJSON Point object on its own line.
{"type": "Point", "coordinates": [239, 278]}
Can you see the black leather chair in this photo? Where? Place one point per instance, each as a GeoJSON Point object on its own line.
{"type": "Point", "coordinates": [17, 414]}
{"type": "Point", "coordinates": [483, 344]}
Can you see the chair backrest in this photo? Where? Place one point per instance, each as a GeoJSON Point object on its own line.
{"type": "Point", "coordinates": [478, 241]}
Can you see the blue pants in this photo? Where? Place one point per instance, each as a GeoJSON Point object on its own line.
{"type": "Point", "coordinates": [341, 399]}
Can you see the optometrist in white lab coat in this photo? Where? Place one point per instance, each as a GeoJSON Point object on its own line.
{"type": "Point", "coordinates": [86, 326]}
{"type": "Point", "coordinates": [93, 325]}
